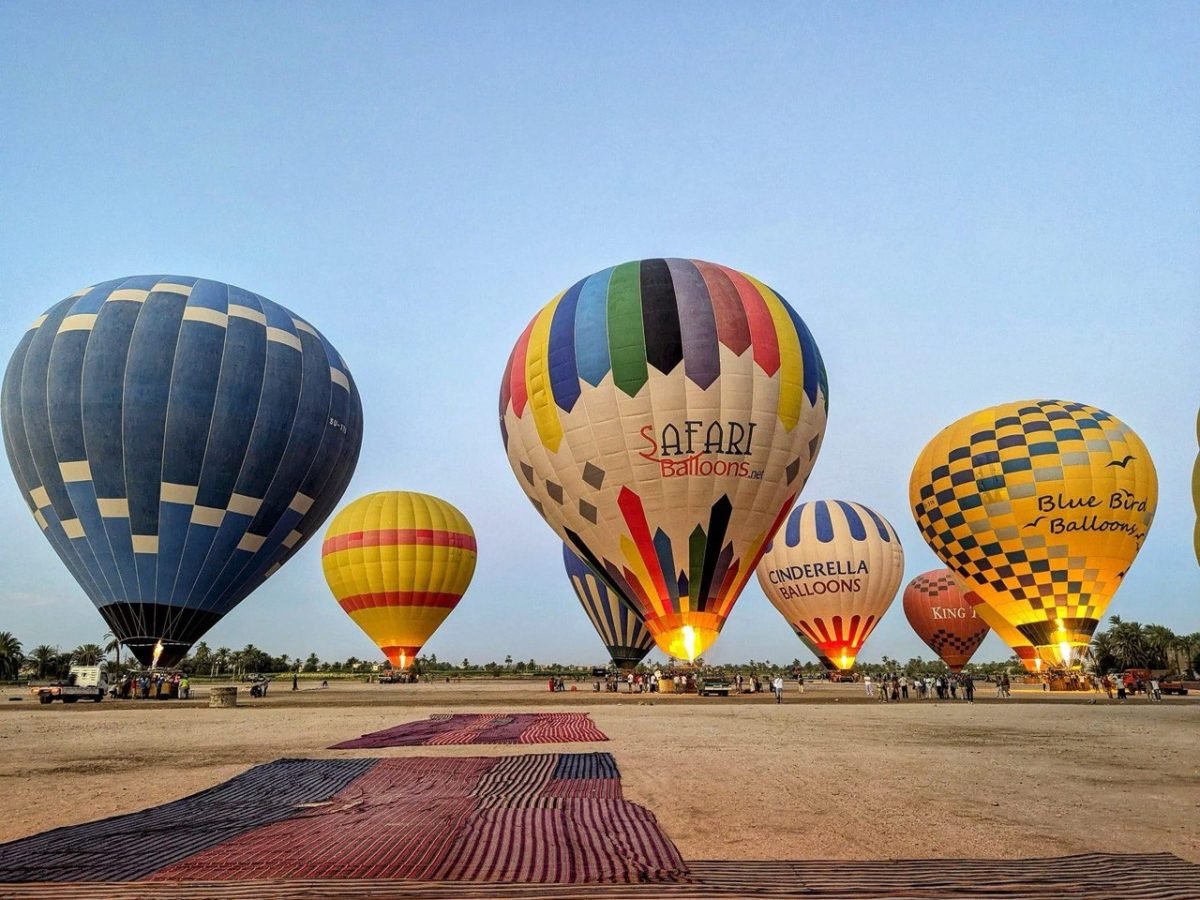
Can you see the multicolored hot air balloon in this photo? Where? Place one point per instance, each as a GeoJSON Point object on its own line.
{"type": "Point", "coordinates": [832, 572]}
{"type": "Point", "coordinates": [662, 416]}
{"type": "Point", "coordinates": [942, 617]}
{"type": "Point", "coordinates": [398, 562]}
{"type": "Point", "coordinates": [619, 625]}
{"type": "Point", "coordinates": [177, 440]}
{"type": "Point", "coordinates": [1040, 508]}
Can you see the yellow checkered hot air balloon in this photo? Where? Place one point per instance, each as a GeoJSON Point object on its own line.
{"type": "Point", "coordinates": [1039, 507]}
{"type": "Point", "coordinates": [398, 562]}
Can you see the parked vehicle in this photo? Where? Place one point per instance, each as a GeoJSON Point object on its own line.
{"type": "Point", "coordinates": [81, 683]}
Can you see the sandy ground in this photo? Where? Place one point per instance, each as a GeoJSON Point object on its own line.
{"type": "Point", "coordinates": [825, 775]}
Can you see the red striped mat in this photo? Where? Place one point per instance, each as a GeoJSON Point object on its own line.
{"type": "Point", "coordinates": [486, 728]}
{"type": "Point", "coordinates": [1095, 876]}
{"type": "Point", "coordinates": [469, 819]}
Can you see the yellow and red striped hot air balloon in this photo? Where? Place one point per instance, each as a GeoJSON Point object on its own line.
{"type": "Point", "coordinates": [398, 562]}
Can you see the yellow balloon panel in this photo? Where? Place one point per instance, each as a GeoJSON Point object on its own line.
{"type": "Point", "coordinates": [398, 562]}
{"type": "Point", "coordinates": [1039, 507]}
{"type": "Point", "coordinates": [1017, 642]}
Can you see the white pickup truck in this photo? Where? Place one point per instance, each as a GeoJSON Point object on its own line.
{"type": "Point", "coordinates": [82, 683]}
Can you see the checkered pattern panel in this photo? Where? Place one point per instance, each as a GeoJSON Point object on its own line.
{"type": "Point", "coordinates": [964, 507]}
{"type": "Point", "coordinates": [946, 644]}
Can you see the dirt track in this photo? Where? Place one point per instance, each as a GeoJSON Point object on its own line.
{"type": "Point", "coordinates": [826, 775]}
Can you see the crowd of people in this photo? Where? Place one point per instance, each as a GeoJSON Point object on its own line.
{"type": "Point", "coordinates": [159, 685]}
{"type": "Point", "coordinates": [896, 688]}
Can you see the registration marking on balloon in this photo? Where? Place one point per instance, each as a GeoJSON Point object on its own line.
{"type": "Point", "coordinates": [662, 416]}
{"type": "Point", "coordinates": [1040, 508]}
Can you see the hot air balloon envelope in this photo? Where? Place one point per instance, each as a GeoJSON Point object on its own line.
{"type": "Point", "coordinates": [832, 571]}
{"type": "Point", "coordinates": [177, 440]}
{"type": "Point", "coordinates": [398, 562]}
{"type": "Point", "coordinates": [1040, 508]}
{"type": "Point", "coordinates": [662, 416]}
{"type": "Point", "coordinates": [942, 617]}
{"type": "Point", "coordinates": [619, 625]}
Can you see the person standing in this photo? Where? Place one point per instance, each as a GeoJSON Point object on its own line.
{"type": "Point", "coordinates": [295, 682]}
{"type": "Point", "coordinates": [867, 684]}
{"type": "Point", "coordinates": [969, 689]}
{"type": "Point", "coordinates": [800, 682]}
{"type": "Point", "coordinates": [903, 687]}
{"type": "Point", "coordinates": [777, 684]}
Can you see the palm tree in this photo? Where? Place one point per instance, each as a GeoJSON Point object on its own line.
{"type": "Point", "coordinates": [10, 656]}
{"type": "Point", "coordinates": [220, 660]}
{"type": "Point", "coordinates": [87, 655]}
{"type": "Point", "coordinates": [1159, 639]}
{"type": "Point", "coordinates": [45, 656]}
{"type": "Point", "coordinates": [112, 644]}
{"type": "Point", "coordinates": [1129, 645]}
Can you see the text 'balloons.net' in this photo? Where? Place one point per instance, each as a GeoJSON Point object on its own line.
{"type": "Point", "coordinates": [942, 617]}
{"type": "Point", "coordinates": [398, 562]}
{"type": "Point", "coordinates": [1039, 507]}
{"type": "Point", "coordinates": [619, 625]}
{"type": "Point", "coordinates": [662, 416]}
{"type": "Point", "coordinates": [832, 571]}
{"type": "Point", "coordinates": [177, 440]}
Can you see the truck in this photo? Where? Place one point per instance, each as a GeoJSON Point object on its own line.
{"type": "Point", "coordinates": [713, 686]}
{"type": "Point", "coordinates": [81, 683]}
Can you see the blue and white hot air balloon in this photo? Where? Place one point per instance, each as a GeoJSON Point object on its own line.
{"type": "Point", "coordinates": [177, 440]}
{"type": "Point", "coordinates": [832, 571]}
{"type": "Point", "coordinates": [619, 625]}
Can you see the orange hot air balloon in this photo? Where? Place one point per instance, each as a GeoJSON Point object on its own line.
{"type": "Point", "coordinates": [942, 618]}
{"type": "Point", "coordinates": [398, 562]}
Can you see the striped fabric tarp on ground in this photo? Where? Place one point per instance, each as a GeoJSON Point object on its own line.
{"type": "Point", "coordinates": [466, 819]}
{"type": "Point", "coordinates": [133, 846]}
{"type": "Point", "coordinates": [484, 728]}
{"type": "Point", "coordinates": [493, 819]}
{"type": "Point", "coordinates": [1096, 876]}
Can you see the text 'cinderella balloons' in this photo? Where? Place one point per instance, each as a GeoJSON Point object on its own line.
{"type": "Point", "coordinates": [942, 617]}
{"type": "Point", "coordinates": [832, 571]}
{"type": "Point", "coordinates": [662, 416]}
{"type": "Point", "coordinates": [398, 562]}
{"type": "Point", "coordinates": [177, 440]}
{"type": "Point", "coordinates": [1040, 508]}
{"type": "Point", "coordinates": [619, 625]}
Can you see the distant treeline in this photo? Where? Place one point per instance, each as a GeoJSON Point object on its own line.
{"type": "Point", "coordinates": [1123, 645]}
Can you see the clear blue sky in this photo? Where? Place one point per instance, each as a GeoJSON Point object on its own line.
{"type": "Point", "coordinates": [967, 203]}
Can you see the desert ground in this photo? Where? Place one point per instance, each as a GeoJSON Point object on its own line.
{"type": "Point", "coordinates": [828, 774]}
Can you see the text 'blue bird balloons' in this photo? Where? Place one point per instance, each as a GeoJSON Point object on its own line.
{"type": "Point", "coordinates": [177, 440]}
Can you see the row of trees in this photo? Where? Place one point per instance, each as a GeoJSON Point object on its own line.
{"type": "Point", "coordinates": [1131, 645]}
{"type": "Point", "coordinates": [1123, 645]}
